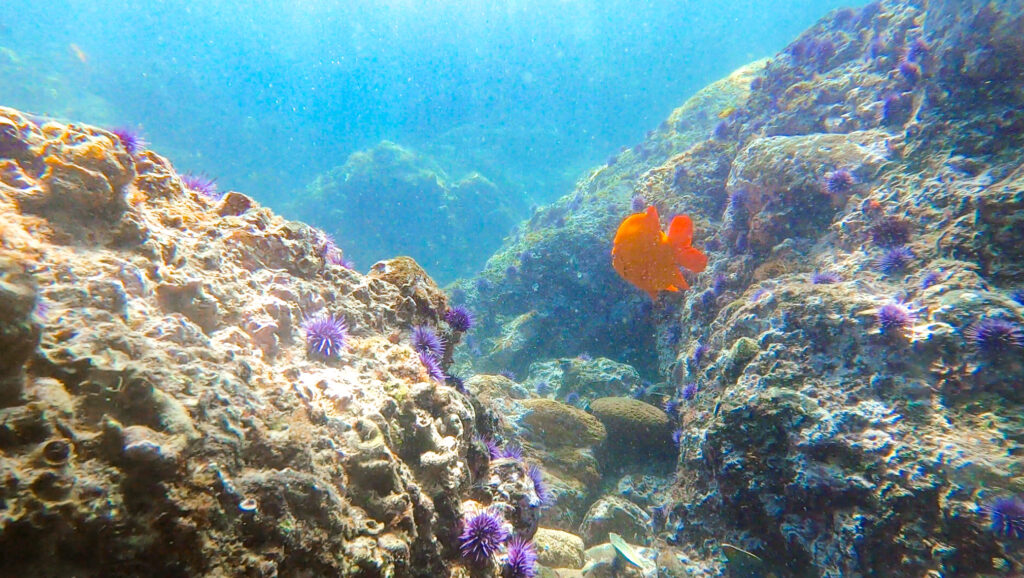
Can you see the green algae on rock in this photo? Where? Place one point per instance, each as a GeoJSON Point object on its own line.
{"type": "Point", "coordinates": [557, 425]}
{"type": "Point", "coordinates": [637, 431]}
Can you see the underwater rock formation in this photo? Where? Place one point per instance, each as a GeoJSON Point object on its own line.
{"type": "Point", "coordinates": [165, 408]}
{"type": "Point", "coordinates": [559, 259]}
{"type": "Point", "coordinates": [844, 379]}
{"type": "Point", "coordinates": [638, 432]}
{"type": "Point", "coordinates": [839, 394]}
{"type": "Point", "coordinates": [389, 201]}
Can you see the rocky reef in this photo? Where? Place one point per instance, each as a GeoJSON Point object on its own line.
{"type": "Point", "coordinates": [843, 382]}
{"type": "Point", "coordinates": [389, 200]}
{"type": "Point", "coordinates": [193, 385]}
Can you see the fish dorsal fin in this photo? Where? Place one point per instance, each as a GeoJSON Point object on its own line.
{"type": "Point", "coordinates": [653, 220]}
{"type": "Point", "coordinates": [680, 232]}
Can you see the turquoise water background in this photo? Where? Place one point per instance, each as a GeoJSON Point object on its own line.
{"type": "Point", "coordinates": [266, 95]}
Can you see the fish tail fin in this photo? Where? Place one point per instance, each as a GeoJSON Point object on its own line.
{"type": "Point", "coordinates": [680, 235]}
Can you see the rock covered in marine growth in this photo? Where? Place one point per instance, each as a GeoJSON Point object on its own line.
{"type": "Point", "coordinates": [168, 404]}
{"type": "Point", "coordinates": [557, 425]}
{"type": "Point", "coordinates": [558, 549]}
{"type": "Point", "coordinates": [637, 431]}
{"type": "Point", "coordinates": [612, 514]}
{"type": "Point", "coordinates": [852, 353]}
{"type": "Point", "coordinates": [585, 378]}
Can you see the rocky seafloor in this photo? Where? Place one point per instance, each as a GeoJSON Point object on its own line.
{"type": "Point", "coordinates": [192, 385]}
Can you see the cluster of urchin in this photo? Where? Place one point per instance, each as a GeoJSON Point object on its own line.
{"type": "Point", "coordinates": [484, 535]}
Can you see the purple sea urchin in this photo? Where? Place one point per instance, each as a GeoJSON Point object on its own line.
{"type": "Point", "coordinates": [482, 536]}
{"type": "Point", "coordinates": [130, 139]}
{"type": "Point", "coordinates": [719, 283]}
{"type": "Point", "coordinates": [894, 317]}
{"type": "Point", "coordinates": [539, 487]}
{"type": "Point", "coordinates": [918, 49]}
{"type": "Point", "coordinates": [699, 351]}
{"type": "Point", "coordinates": [931, 278]}
{"type": "Point", "coordinates": [671, 408]}
{"type": "Point", "coordinates": [543, 388]}
{"type": "Point", "coordinates": [1006, 516]}
{"type": "Point", "coordinates": [690, 391]}
{"type": "Point", "coordinates": [520, 560]}
{"type": "Point", "coordinates": [896, 109]}
{"type": "Point", "coordinates": [433, 367]}
{"type": "Point", "coordinates": [459, 318]}
{"type": "Point", "coordinates": [721, 130]}
{"type": "Point", "coordinates": [426, 342]}
{"type": "Point", "coordinates": [511, 452]}
{"type": "Point", "coordinates": [839, 181]}
{"type": "Point", "coordinates": [1018, 296]}
{"type": "Point", "coordinates": [457, 382]}
{"type": "Point", "coordinates": [336, 257]}
{"type": "Point", "coordinates": [894, 260]}
{"type": "Point", "coordinates": [492, 447]}
{"type": "Point", "coordinates": [994, 337]}
{"type": "Point", "coordinates": [825, 277]}
{"type": "Point", "coordinates": [201, 184]}
{"type": "Point", "coordinates": [325, 335]}
{"type": "Point", "coordinates": [736, 202]}
{"type": "Point", "coordinates": [891, 231]}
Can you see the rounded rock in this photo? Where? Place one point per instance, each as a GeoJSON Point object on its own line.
{"type": "Point", "coordinates": [558, 549]}
{"type": "Point", "coordinates": [556, 424]}
{"type": "Point", "coordinates": [636, 429]}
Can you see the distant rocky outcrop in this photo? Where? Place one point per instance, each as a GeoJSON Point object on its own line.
{"type": "Point", "coordinates": [389, 200]}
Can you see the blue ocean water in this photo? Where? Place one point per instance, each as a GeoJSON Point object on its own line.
{"type": "Point", "coordinates": [265, 95]}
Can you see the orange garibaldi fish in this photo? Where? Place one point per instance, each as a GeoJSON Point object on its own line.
{"type": "Point", "coordinates": [648, 258]}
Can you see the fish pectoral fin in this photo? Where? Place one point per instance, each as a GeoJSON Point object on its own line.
{"type": "Point", "coordinates": [691, 258]}
{"type": "Point", "coordinates": [679, 282]}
